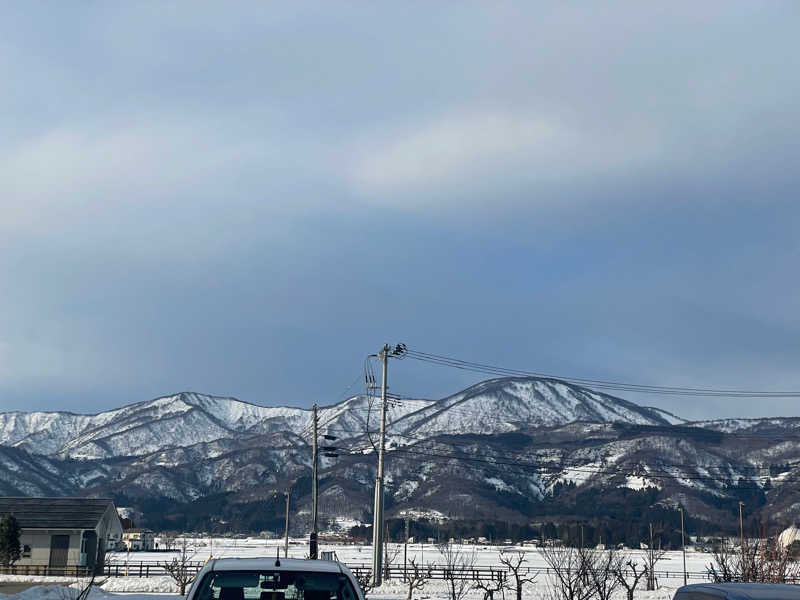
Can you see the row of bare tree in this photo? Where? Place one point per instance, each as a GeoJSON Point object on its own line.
{"type": "Point", "coordinates": [755, 560]}
{"type": "Point", "coordinates": [573, 573]}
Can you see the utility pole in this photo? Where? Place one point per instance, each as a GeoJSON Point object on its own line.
{"type": "Point", "coordinates": [683, 544]}
{"type": "Point", "coordinates": [377, 520]}
{"type": "Point", "coordinates": [314, 489]}
{"type": "Point", "coordinates": [651, 583]}
{"type": "Point", "coordinates": [405, 555]}
{"type": "Point", "coordinates": [741, 539]}
{"type": "Point", "coordinates": [286, 538]}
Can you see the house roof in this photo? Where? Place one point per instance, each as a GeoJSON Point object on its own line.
{"type": "Point", "coordinates": [56, 513]}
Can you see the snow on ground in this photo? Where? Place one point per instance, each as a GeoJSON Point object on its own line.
{"type": "Point", "coordinates": [670, 569]}
{"type": "Point", "coordinates": [486, 555]}
{"type": "Point", "coordinates": [59, 592]}
{"type": "Point", "coordinates": [436, 590]}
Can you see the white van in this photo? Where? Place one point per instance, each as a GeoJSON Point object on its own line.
{"type": "Point", "coordinates": [274, 579]}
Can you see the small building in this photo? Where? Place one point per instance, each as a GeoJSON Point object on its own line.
{"type": "Point", "coordinates": [138, 539]}
{"type": "Point", "coordinates": [64, 534]}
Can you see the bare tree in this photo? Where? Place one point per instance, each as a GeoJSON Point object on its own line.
{"type": "Point", "coordinates": [490, 587]}
{"type": "Point", "coordinates": [602, 567]}
{"type": "Point", "coordinates": [179, 568]}
{"type": "Point", "coordinates": [567, 567]}
{"type": "Point", "coordinates": [456, 564]}
{"type": "Point", "coordinates": [723, 565]}
{"type": "Point", "coordinates": [513, 562]}
{"type": "Point", "coordinates": [652, 556]}
{"type": "Point", "coordinates": [628, 574]}
{"type": "Point", "coordinates": [415, 578]}
{"type": "Point", "coordinates": [390, 554]}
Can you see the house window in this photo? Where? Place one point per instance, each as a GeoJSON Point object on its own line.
{"type": "Point", "coordinates": [26, 551]}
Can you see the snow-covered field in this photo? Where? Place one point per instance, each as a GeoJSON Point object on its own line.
{"type": "Point", "coordinates": [357, 555]}
{"type": "Point", "coordinates": [670, 569]}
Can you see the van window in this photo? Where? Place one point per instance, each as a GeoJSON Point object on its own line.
{"type": "Point", "coordinates": [275, 585]}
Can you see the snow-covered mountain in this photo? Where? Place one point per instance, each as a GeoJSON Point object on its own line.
{"type": "Point", "coordinates": [494, 406]}
{"type": "Point", "coordinates": [493, 449]}
{"type": "Point", "coordinates": [511, 403]}
{"type": "Point", "coordinates": [168, 422]}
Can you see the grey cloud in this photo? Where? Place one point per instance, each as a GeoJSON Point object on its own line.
{"type": "Point", "coordinates": [227, 200]}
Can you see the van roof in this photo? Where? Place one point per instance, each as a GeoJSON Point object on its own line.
{"type": "Point", "coordinates": [268, 564]}
{"type": "Point", "coordinates": [746, 591]}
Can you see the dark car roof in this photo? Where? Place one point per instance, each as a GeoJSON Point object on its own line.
{"type": "Point", "coordinates": [745, 591]}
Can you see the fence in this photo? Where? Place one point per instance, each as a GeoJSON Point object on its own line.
{"type": "Point", "coordinates": [361, 570]}
{"type": "Point", "coordinates": [145, 569]}
{"type": "Point", "coordinates": [488, 573]}
{"type": "Point", "coordinates": [45, 571]}
{"type": "Point", "coordinates": [397, 571]}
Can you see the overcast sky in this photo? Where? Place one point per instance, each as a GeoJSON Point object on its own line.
{"type": "Point", "coordinates": [246, 199]}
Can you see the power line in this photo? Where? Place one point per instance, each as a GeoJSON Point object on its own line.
{"type": "Point", "coordinates": [456, 363]}
{"type": "Point", "coordinates": [309, 427]}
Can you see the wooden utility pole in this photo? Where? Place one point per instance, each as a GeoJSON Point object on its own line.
{"type": "Point", "coordinates": [405, 554]}
{"type": "Point", "coordinates": [651, 583]}
{"type": "Point", "coordinates": [683, 545]}
{"type": "Point", "coordinates": [286, 530]}
{"type": "Point", "coordinates": [741, 540]}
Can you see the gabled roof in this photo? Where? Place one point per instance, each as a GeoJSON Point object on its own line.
{"type": "Point", "coordinates": [56, 513]}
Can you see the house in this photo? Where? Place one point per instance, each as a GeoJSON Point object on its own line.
{"type": "Point", "coordinates": [64, 533]}
{"type": "Point", "coordinates": [138, 539]}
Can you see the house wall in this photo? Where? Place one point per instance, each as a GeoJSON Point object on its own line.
{"type": "Point", "coordinates": [109, 531]}
{"type": "Point", "coordinates": [39, 541]}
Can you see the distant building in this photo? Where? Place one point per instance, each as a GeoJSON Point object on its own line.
{"type": "Point", "coordinates": [64, 533]}
{"type": "Point", "coordinates": [138, 539]}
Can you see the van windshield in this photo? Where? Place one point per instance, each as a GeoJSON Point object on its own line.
{"type": "Point", "coordinates": [275, 585]}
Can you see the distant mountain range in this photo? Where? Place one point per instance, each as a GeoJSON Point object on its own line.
{"type": "Point", "coordinates": [521, 449]}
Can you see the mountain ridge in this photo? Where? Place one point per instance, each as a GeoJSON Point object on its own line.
{"type": "Point", "coordinates": [507, 444]}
